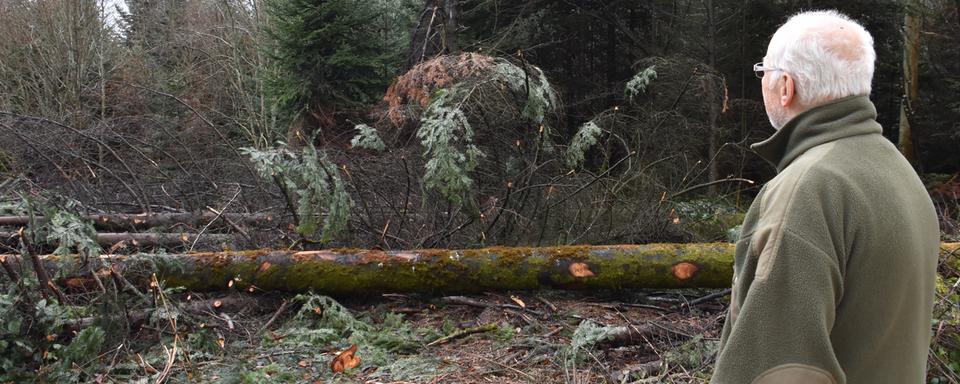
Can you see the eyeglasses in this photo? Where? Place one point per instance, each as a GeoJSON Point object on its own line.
{"type": "Point", "coordinates": [759, 69]}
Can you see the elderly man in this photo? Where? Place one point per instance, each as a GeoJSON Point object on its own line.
{"type": "Point", "coordinates": [835, 266]}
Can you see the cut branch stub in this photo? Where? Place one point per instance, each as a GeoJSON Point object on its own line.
{"type": "Point", "coordinates": [580, 270]}
{"type": "Point", "coordinates": [684, 270]}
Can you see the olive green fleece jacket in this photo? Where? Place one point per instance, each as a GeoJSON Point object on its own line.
{"type": "Point", "coordinates": [835, 267]}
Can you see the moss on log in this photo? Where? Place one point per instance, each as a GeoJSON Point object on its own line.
{"type": "Point", "coordinates": [345, 272]}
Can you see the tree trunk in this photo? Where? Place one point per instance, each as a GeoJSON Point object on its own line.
{"type": "Point", "coordinates": [426, 39]}
{"type": "Point", "coordinates": [711, 92]}
{"type": "Point", "coordinates": [353, 272]}
{"type": "Point", "coordinates": [452, 10]}
{"type": "Point", "coordinates": [911, 88]}
{"type": "Point", "coordinates": [356, 271]}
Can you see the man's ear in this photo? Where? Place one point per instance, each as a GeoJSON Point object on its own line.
{"type": "Point", "coordinates": [787, 92]}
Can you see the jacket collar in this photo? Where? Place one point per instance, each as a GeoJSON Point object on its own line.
{"type": "Point", "coordinates": [846, 117]}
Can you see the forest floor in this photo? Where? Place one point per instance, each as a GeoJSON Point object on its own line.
{"type": "Point", "coordinates": [544, 337]}
{"type": "Point", "coordinates": [167, 335]}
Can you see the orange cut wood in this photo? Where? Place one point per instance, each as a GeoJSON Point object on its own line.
{"type": "Point", "coordinates": [580, 270]}
{"type": "Point", "coordinates": [684, 270]}
{"type": "Point", "coordinates": [345, 360]}
{"type": "Point", "coordinates": [264, 266]}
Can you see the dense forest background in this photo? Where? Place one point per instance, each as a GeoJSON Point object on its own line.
{"type": "Point", "coordinates": [439, 123]}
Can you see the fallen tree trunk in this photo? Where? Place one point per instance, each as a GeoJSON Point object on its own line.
{"type": "Point", "coordinates": [343, 272]}
{"type": "Point", "coordinates": [148, 238]}
{"type": "Point", "coordinates": [152, 220]}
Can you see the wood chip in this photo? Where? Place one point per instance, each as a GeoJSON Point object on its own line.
{"type": "Point", "coordinates": [345, 360]}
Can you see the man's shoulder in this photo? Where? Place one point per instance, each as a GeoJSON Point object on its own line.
{"type": "Point", "coordinates": [841, 164]}
{"type": "Point", "coordinates": [821, 181]}
{"type": "Point", "coordinates": [811, 171]}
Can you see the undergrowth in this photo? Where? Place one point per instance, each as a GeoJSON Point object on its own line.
{"type": "Point", "coordinates": [944, 358]}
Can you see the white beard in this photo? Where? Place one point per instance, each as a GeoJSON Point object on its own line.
{"type": "Point", "coordinates": [778, 117]}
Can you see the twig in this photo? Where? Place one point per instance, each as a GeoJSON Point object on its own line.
{"type": "Point", "coordinates": [233, 224]}
{"type": "Point", "coordinates": [103, 144]}
{"type": "Point", "coordinates": [426, 36]}
{"type": "Point", "coordinates": [172, 352]}
{"type": "Point", "coordinates": [121, 281]}
{"type": "Point", "coordinates": [202, 230]}
{"type": "Point", "coordinates": [715, 182]}
{"type": "Point", "coordinates": [647, 306]}
{"type": "Point", "coordinates": [709, 297]}
{"type": "Point", "coordinates": [147, 368]}
{"type": "Point", "coordinates": [283, 307]}
{"type": "Point", "coordinates": [229, 320]}
{"type": "Point", "coordinates": [171, 358]}
{"type": "Point", "coordinates": [464, 332]}
{"type": "Point", "coordinates": [595, 179]}
{"type": "Point", "coordinates": [462, 300]}
{"type": "Point", "coordinates": [549, 304]}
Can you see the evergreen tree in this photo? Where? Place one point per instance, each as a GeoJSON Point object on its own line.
{"type": "Point", "coordinates": [329, 54]}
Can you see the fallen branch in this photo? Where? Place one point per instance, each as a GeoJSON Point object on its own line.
{"type": "Point", "coordinates": [462, 300]}
{"type": "Point", "coordinates": [152, 220]}
{"type": "Point", "coordinates": [153, 239]}
{"type": "Point", "coordinates": [38, 266]}
{"type": "Point", "coordinates": [9, 268]}
{"type": "Point", "coordinates": [219, 214]}
{"type": "Point", "coordinates": [233, 303]}
{"type": "Point", "coordinates": [636, 335]}
{"type": "Point", "coordinates": [712, 183]}
{"type": "Point", "coordinates": [464, 332]}
{"type": "Point", "coordinates": [232, 223]}
{"type": "Point", "coordinates": [283, 307]}
{"type": "Point", "coordinates": [706, 298]}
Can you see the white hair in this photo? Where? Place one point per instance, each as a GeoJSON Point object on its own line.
{"type": "Point", "coordinates": [829, 55]}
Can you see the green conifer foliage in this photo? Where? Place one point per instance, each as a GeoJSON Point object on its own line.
{"type": "Point", "coordinates": [481, 107]}
{"type": "Point", "coordinates": [327, 53]}
{"type": "Point", "coordinates": [313, 182]}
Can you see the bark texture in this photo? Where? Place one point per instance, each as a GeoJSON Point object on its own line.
{"type": "Point", "coordinates": [348, 272]}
